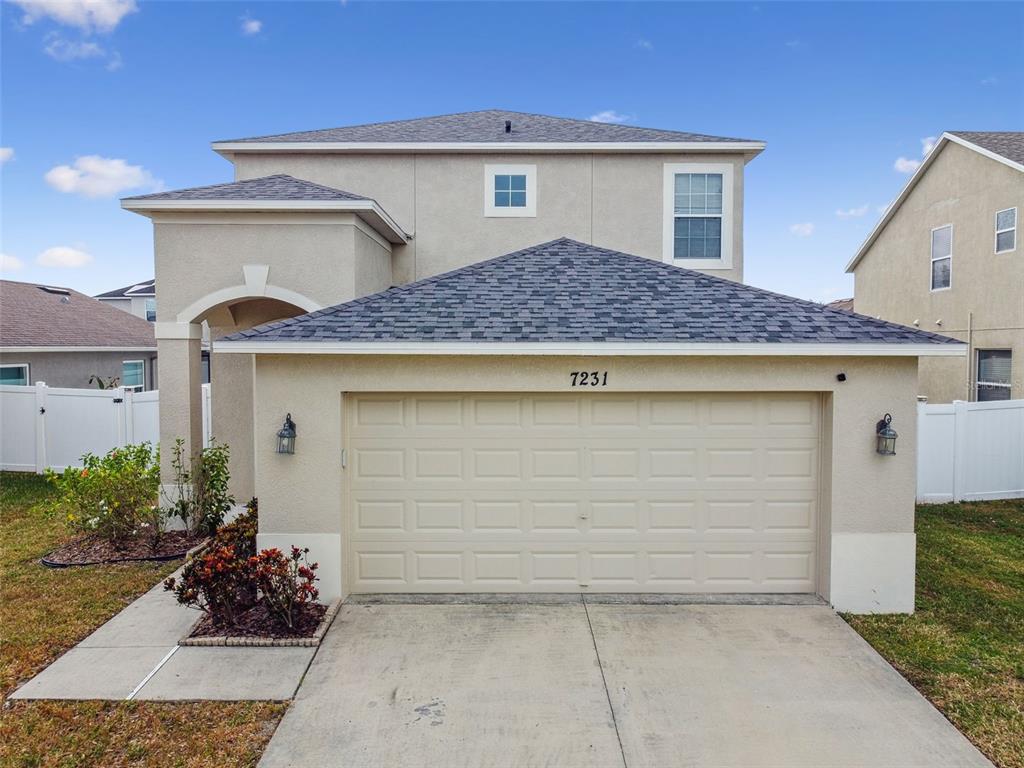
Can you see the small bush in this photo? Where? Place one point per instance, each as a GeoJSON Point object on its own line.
{"type": "Point", "coordinates": [203, 479]}
{"type": "Point", "coordinates": [114, 496]}
{"type": "Point", "coordinates": [241, 532]}
{"type": "Point", "coordinates": [286, 583]}
{"type": "Point", "coordinates": [217, 582]}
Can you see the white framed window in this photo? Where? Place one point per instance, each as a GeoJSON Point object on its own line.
{"type": "Point", "coordinates": [151, 310]}
{"type": "Point", "coordinates": [697, 230]}
{"type": "Point", "coordinates": [16, 374]}
{"type": "Point", "coordinates": [1006, 230]}
{"type": "Point", "coordinates": [993, 375]}
{"type": "Point", "coordinates": [942, 257]}
{"type": "Point", "coordinates": [510, 191]}
{"type": "Point", "coordinates": [133, 375]}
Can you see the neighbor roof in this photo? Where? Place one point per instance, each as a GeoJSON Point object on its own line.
{"type": "Point", "coordinates": [488, 127]}
{"type": "Point", "coordinates": [277, 187]}
{"type": "Point", "coordinates": [567, 291]}
{"type": "Point", "coordinates": [279, 192]}
{"type": "Point", "coordinates": [148, 288]}
{"type": "Point", "coordinates": [1006, 147]}
{"type": "Point", "coordinates": [843, 304]}
{"type": "Point", "coordinates": [41, 316]}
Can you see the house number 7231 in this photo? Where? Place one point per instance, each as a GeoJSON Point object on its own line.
{"type": "Point", "coordinates": [590, 378]}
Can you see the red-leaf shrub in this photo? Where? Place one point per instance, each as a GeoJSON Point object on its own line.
{"type": "Point", "coordinates": [218, 582]}
{"type": "Point", "coordinates": [286, 583]}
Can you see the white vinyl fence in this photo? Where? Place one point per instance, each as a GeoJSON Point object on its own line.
{"type": "Point", "coordinates": [970, 451]}
{"type": "Point", "coordinates": [43, 426]}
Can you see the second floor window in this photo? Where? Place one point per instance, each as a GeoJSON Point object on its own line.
{"type": "Point", "coordinates": [942, 257]}
{"type": "Point", "coordinates": [697, 229]}
{"type": "Point", "coordinates": [151, 310]}
{"type": "Point", "coordinates": [1006, 230]}
{"type": "Point", "coordinates": [510, 191]}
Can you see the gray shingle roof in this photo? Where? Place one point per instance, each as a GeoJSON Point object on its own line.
{"type": "Point", "coordinates": [1009, 144]}
{"type": "Point", "coordinates": [567, 291]}
{"type": "Point", "coordinates": [147, 288]}
{"type": "Point", "coordinates": [489, 126]}
{"type": "Point", "coordinates": [278, 187]}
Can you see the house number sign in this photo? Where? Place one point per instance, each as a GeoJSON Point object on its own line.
{"type": "Point", "coordinates": [589, 378]}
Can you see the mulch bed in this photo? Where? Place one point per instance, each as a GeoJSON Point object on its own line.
{"type": "Point", "coordinates": [258, 622]}
{"type": "Point", "coordinates": [93, 550]}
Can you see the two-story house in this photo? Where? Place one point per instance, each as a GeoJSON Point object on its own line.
{"type": "Point", "coordinates": [138, 299]}
{"type": "Point", "coordinates": [947, 257]}
{"type": "Point", "coordinates": [516, 355]}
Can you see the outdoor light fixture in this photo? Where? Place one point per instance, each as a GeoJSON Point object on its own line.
{"type": "Point", "coordinates": [886, 437]}
{"type": "Point", "coordinates": [286, 436]}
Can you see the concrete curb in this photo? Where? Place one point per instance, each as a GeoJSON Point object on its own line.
{"type": "Point", "coordinates": [264, 642]}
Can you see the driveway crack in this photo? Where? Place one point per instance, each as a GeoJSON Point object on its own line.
{"type": "Point", "coordinates": [604, 681]}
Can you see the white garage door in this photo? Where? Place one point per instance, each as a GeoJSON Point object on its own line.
{"type": "Point", "coordinates": [591, 493]}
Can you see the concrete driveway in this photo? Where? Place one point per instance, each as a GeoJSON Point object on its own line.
{"type": "Point", "coordinates": [577, 684]}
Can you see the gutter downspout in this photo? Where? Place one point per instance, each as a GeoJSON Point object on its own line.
{"type": "Point", "coordinates": [970, 354]}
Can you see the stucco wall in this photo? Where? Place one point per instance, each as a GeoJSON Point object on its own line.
{"type": "Point", "coordinates": [862, 492]}
{"type": "Point", "coordinates": [73, 369]}
{"type": "Point", "coordinates": [614, 201]}
{"type": "Point", "coordinates": [893, 279]}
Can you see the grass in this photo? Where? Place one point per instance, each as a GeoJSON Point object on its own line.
{"type": "Point", "coordinates": [964, 647]}
{"type": "Point", "coordinates": [44, 612]}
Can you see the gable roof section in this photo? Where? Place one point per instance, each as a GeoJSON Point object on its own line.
{"type": "Point", "coordinates": [279, 192]}
{"type": "Point", "coordinates": [567, 292]}
{"type": "Point", "coordinates": [484, 129]}
{"type": "Point", "coordinates": [1006, 147]}
{"type": "Point", "coordinates": [43, 317]}
{"type": "Point", "coordinates": [147, 288]}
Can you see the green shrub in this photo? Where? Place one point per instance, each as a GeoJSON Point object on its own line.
{"type": "Point", "coordinates": [205, 476]}
{"type": "Point", "coordinates": [114, 496]}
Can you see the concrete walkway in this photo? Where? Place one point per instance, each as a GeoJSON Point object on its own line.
{"type": "Point", "coordinates": [608, 684]}
{"type": "Point", "coordinates": [135, 655]}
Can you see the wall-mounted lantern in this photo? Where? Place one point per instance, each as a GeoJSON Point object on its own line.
{"type": "Point", "coordinates": [886, 436]}
{"type": "Point", "coordinates": [286, 436]}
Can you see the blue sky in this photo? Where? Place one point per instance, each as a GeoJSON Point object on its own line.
{"type": "Point", "coordinates": [843, 94]}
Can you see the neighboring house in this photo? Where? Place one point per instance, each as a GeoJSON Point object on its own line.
{"type": "Point", "coordinates": [477, 412]}
{"type": "Point", "coordinates": [844, 304]}
{"type": "Point", "coordinates": [138, 299]}
{"type": "Point", "coordinates": [64, 338]}
{"type": "Point", "coordinates": [947, 257]}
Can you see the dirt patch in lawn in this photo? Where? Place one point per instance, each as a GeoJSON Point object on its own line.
{"type": "Point", "coordinates": [259, 622]}
{"type": "Point", "coordinates": [94, 550]}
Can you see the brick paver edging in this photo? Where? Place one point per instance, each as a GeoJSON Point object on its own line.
{"type": "Point", "coordinates": [266, 642]}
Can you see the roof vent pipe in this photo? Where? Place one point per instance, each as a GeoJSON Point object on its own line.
{"type": "Point", "coordinates": [508, 126]}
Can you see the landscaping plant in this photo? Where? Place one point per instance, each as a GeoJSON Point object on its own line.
{"type": "Point", "coordinates": [203, 498]}
{"type": "Point", "coordinates": [286, 583]}
{"type": "Point", "coordinates": [217, 582]}
{"type": "Point", "coordinates": [114, 496]}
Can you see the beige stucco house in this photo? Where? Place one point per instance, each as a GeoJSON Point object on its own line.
{"type": "Point", "coordinates": [520, 357]}
{"type": "Point", "coordinates": [947, 257]}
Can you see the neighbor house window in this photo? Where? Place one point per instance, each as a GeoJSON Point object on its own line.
{"type": "Point", "coordinates": [698, 210]}
{"type": "Point", "coordinates": [14, 374]}
{"type": "Point", "coordinates": [942, 257]}
{"type": "Point", "coordinates": [151, 310]}
{"type": "Point", "coordinates": [510, 190]}
{"type": "Point", "coordinates": [993, 374]}
{"type": "Point", "coordinates": [133, 375]}
{"type": "Point", "coordinates": [1006, 230]}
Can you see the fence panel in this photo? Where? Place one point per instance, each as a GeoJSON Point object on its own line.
{"type": "Point", "coordinates": [43, 427]}
{"type": "Point", "coordinates": [970, 451]}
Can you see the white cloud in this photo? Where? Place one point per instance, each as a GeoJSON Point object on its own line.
{"type": "Point", "coordinates": [115, 62]}
{"type": "Point", "coordinates": [991, 80]}
{"type": "Point", "coordinates": [804, 229]}
{"type": "Point", "coordinates": [852, 213]}
{"type": "Point", "coordinates": [9, 263]}
{"type": "Point", "coordinates": [95, 176]}
{"type": "Point", "coordinates": [64, 257]}
{"type": "Point", "coordinates": [906, 165]}
{"type": "Point", "coordinates": [610, 116]}
{"type": "Point", "coordinates": [644, 44]}
{"type": "Point", "coordinates": [88, 15]}
{"type": "Point", "coordinates": [6, 153]}
{"type": "Point", "coordinates": [61, 49]}
{"type": "Point", "coordinates": [251, 26]}
{"type": "Point", "coordinates": [927, 145]}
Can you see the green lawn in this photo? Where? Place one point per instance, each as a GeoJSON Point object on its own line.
{"type": "Point", "coordinates": [964, 647]}
{"type": "Point", "coordinates": [44, 612]}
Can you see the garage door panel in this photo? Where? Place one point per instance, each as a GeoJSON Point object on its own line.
{"type": "Point", "coordinates": [600, 492]}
